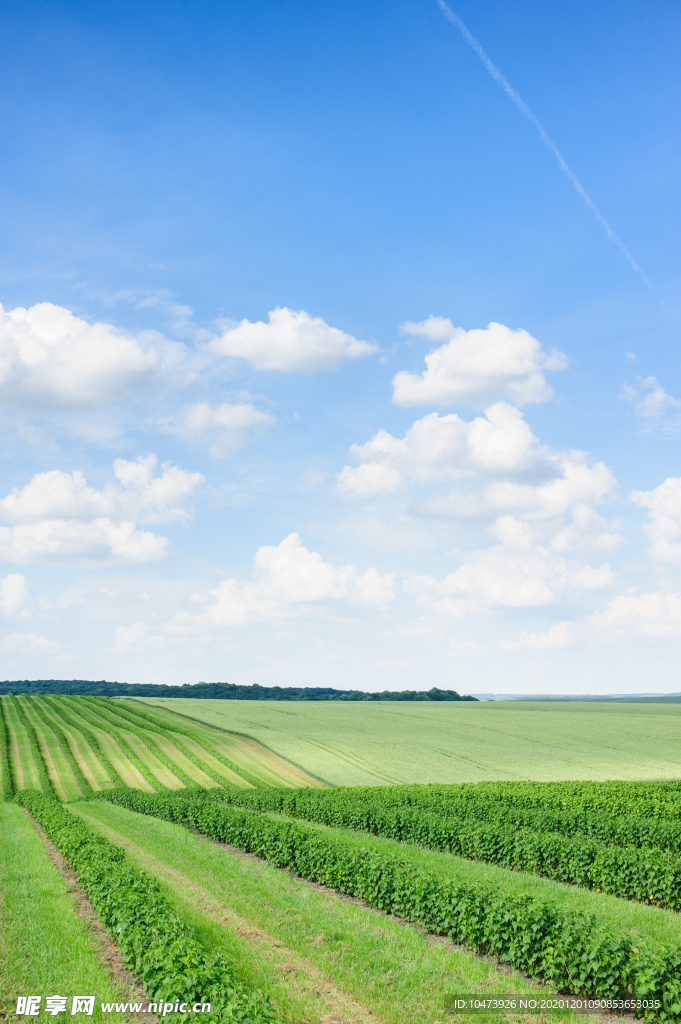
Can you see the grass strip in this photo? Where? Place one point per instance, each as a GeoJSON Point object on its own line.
{"type": "Point", "coordinates": [314, 952]}
{"type": "Point", "coordinates": [58, 707]}
{"type": "Point", "coordinates": [62, 739]}
{"type": "Point", "coordinates": [45, 781]}
{"type": "Point", "coordinates": [5, 768]}
{"type": "Point", "coordinates": [102, 711]}
{"type": "Point", "coordinates": [46, 947]}
{"type": "Point", "coordinates": [85, 712]}
{"type": "Point", "coordinates": [58, 768]}
{"type": "Point", "coordinates": [117, 716]}
{"type": "Point", "coordinates": [152, 720]}
{"type": "Point", "coordinates": [567, 949]}
{"type": "Point", "coordinates": [648, 875]}
{"type": "Point", "coordinates": [156, 943]}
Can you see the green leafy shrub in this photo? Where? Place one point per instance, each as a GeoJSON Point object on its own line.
{"type": "Point", "coordinates": [568, 949]}
{"type": "Point", "coordinates": [156, 944]}
{"type": "Point", "coordinates": [7, 783]}
{"type": "Point", "coordinates": [501, 836]}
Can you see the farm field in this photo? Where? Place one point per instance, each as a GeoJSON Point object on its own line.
{"type": "Point", "coordinates": [300, 903]}
{"type": "Point", "coordinates": [379, 743]}
{"type": "Point", "coordinates": [46, 946]}
{"type": "Point", "coordinates": [76, 745]}
{"type": "Point", "coordinates": [316, 955]}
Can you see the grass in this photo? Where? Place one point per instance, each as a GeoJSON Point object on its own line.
{"type": "Point", "coordinates": [390, 742]}
{"type": "Point", "coordinates": [58, 768]}
{"type": "Point", "coordinates": [46, 948]}
{"type": "Point", "coordinates": [90, 765]}
{"type": "Point", "coordinates": [143, 758]}
{"type": "Point", "coordinates": [658, 927]}
{"type": "Point", "coordinates": [259, 761]}
{"type": "Point", "coordinates": [23, 763]}
{"type": "Point", "coordinates": [315, 953]}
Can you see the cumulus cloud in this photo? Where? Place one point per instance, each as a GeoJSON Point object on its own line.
{"type": "Point", "coordinates": [289, 579]}
{"type": "Point", "coordinates": [664, 530]}
{"type": "Point", "coordinates": [291, 340]}
{"type": "Point", "coordinates": [28, 643]}
{"type": "Point", "coordinates": [657, 410]}
{"type": "Point", "coordinates": [49, 357]}
{"type": "Point", "coordinates": [516, 573]}
{"type": "Point", "coordinates": [521, 475]}
{"type": "Point", "coordinates": [648, 615]}
{"type": "Point", "coordinates": [58, 517]}
{"type": "Point", "coordinates": [477, 367]}
{"type": "Point", "coordinates": [14, 595]}
{"type": "Point", "coordinates": [441, 448]}
{"type": "Point", "coordinates": [229, 424]}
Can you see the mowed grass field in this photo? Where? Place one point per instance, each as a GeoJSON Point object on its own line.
{"type": "Point", "coordinates": [88, 744]}
{"type": "Point", "coordinates": [393, 742]}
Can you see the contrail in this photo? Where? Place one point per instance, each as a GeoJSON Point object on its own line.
{"type": "Point", "coordinates": [548, 141]}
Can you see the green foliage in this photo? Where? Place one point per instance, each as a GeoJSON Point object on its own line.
{"type": "Point", "coordinates": [7, 783]}
{"type": "Point", "coordinates": [150, 724]}
{"type": "Point", "coordinates": [62, 740]}
{"type": "Point", "coordinates": [157, 944]}
{"type": "Point", "coordinates": [44, 778]}
{"type": "Point", "coordinates": [567, 949]}
{"type": "Point", "coordinates": [221, 691]}
{"type": "Point", "coordinates": [80, 705]}
{"type": "Point", "coordinates": [59, 708]}
{"type": "Point", "coordinates": [482, 822]}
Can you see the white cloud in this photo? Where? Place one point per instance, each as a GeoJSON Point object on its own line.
{"type": "Point", "coordinates": [477, 367]}
{"type": "Point", "coordinates": [14, 595]}
{"type": "Point", "coordinates": [49, 357]}
{"type": "Point", "coordinates": [27, 643]}
{"type": "Point", "coordinates": [516, 573]}
{"type": "Point", "coordinates": [657, 409]}
{"type": "Point", "coordinates": [664, 530]}
{"type": "Point", "coordinates": [58, 517]}
{"type": "Point", "coordinates": [532, 479]}
{"type": "Point", "coordinates": [290, 341]}
{"type": "Point", "coordinates": [230, 424]}
{"type": "Point", "coordinates": [442, 448]}
{"type": "Point", "coordinates": [290, 579]}
{"type": "Point", "coordinates": [649, 615]}
{"type": "Point", "coordinates": [560, 635]}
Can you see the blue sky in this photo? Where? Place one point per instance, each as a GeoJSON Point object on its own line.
{"type": "Point", "coordinates": [256, 427]}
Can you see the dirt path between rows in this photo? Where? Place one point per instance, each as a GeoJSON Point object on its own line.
{"type": "Point", "coordinates": [337, 1006]}
{"type": "Point", "coordinates": [107, 950]}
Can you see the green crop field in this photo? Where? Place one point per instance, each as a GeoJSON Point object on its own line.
{"type": "Point", "coordinates": [208, 844]}
{"type": "Point", "coordinates": [379, 743]}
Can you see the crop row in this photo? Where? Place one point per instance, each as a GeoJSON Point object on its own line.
{"type": "Point", "coordinates": [651, 876]}
{"type": "Point", "coordinates": [7, 783]}
{"type": "Point", "coordinates": [139, 720]}
{"type": "Point", "coordinates": [158, 945]}
{"type": "Point", "coordinates": [567, 949]}
{"type": "Point", "coordinates": [497, 805]}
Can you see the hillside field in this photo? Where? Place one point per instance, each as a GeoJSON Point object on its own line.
{"type": "Point", "coordinates": [377, 744]}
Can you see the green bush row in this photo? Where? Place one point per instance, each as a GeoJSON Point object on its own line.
{"type": "Point", "coordinates": [5, 768]}
{"type": "Point", "coordinates": [477, 804]}
{"type": "Point", "coordinates": [63, 741]}
{"type": "Point", "coordinates": [101, 709]}
{"type": "Point", "coordinates": [139, 720]}
{"type": "Point", "coordinates": [85, 712]}
{"type": "Point", "coordinates": [651, 876]}
{"type": "Point", "coordinates": [45, 780]}
{"type": "Point", "coordinates": [58, 708]}
{"type": "Point", "coordinates": [149, 718]}
{"type": "Point", "coordinates": [569, 950]}
{"type": "Point", "coordinates": [156, 944]}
